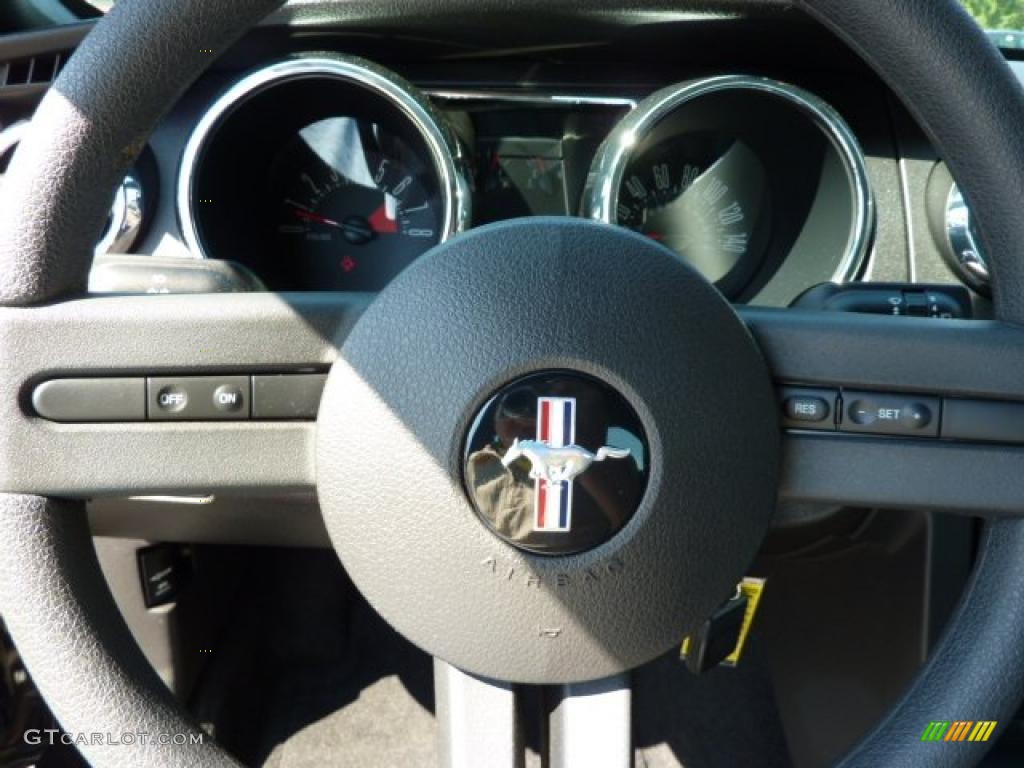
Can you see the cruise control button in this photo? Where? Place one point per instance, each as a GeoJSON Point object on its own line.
{"type": "Point", "coordinates": [863, 412]}
{"type": "Point", "coordinates": [171, 398]}
{"type": "Point", "coordinates": [915, 415]}
{"type": "Point", "coordinates": [890, 414]}
{"type": "Point", "coordinates": [198, 398]}
{"type": "Point", "coordinates": [806, 408]}
{"type": "Point", "coordinates": [229, 398]}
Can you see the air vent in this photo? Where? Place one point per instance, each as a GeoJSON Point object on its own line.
{"type": "Point", "coordinates": [32, 70]}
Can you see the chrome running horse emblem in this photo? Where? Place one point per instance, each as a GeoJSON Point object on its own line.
{"type": "Point", "coordinates": [555, 460]}
{"type": "Point", "coordinates": [558, 465]}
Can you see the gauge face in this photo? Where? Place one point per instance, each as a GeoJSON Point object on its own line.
{"type": "Point", "coordinates": [357, 205]}
{"type": "Point", "coordinates": [757, 184]}
{"type": "Point", "coordinates": [321, 175]}
{"type": "Point", "coordinates": [703, 196]}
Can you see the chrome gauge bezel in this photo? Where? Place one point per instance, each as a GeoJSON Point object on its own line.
{"type": "Point", "coordinates": [447, 154]}
{"type": "Point", "coordinates": [969, 259]}
{"type": "Point", "coordinates": [601, 192]}
{"type": "Point", "coordinates": [126, 215]}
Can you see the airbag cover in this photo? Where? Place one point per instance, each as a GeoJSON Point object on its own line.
{"type": "Point", "coordinates": [478, 312]}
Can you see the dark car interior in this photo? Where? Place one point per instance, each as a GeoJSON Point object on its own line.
{"type": "Point", "coordinates": [511, 384]}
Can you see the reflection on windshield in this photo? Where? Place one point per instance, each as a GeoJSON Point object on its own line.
{"type": "Point", "coordinates": [1004, 19]}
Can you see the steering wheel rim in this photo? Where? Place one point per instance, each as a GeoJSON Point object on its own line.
{"type": "Point", "coordinates": [85, 132]}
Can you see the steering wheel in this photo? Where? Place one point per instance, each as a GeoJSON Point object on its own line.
{"type": "Point", "coordinates": [413, 369]}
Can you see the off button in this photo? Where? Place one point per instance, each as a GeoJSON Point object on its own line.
{"type": "Point", "coordinates": [172, 398]}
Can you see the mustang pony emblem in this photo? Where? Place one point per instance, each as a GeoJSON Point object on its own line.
{"type": "Point", "coordinates": [555, 461]}
{"type": "Point", "coordinates": [559, 465]}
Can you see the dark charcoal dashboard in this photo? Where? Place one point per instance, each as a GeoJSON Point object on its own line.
{"type": "Point", "coordinates": [755, 149]}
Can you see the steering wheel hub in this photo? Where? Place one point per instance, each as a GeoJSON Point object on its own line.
{"type": "Point", "coordinates": [444, 403]}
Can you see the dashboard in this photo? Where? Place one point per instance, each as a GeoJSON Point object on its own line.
{"type": "Point", "coordinates": [316, 160]}
{"type": "Point", "coordinates": [329, 172]}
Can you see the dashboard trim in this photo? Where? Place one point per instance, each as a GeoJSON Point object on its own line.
{"type": "Point", "coordinates": [446, 152]}
{"type": "Point", "coordinates": [543, 99]}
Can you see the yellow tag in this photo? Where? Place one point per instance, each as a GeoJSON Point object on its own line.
{"type": "Point", "coordinates": [752, 588]}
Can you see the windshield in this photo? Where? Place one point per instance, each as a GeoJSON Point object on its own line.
{"type": "Point", "coordinates": [997, 14]}
{"type": "Point", "coordinates": [991, 14]}
{"type": "Point", "coordinates": [1004, 19]}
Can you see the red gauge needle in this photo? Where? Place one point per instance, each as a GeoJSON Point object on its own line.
{"type": "Point", "coordinates": [381, 222]}
{"type": "Point", "coordinates": [316, 218]}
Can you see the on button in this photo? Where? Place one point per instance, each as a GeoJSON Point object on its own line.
{"type": "Point", "coordinates": [228, 397]}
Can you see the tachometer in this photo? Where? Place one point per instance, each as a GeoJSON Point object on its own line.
{"type": "Point", "coordinates": [357, 204]}
{"type": "Point", "coordinates": [322, 174]}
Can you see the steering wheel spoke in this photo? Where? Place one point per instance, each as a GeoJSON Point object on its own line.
{"type": "Point", "coordinates": [478, 720]}
{"type": "Point", "coordinates": [592, 724]}
{"type": "Point", "coordinates": [481, 723]}
{"type": "Point", "coordinates": [142, 337]}
{"type": "Point", "coordinates": [947, 363]}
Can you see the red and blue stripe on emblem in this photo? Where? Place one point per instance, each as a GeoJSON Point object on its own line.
{"type": "Point", "coordinates": [556, 426]}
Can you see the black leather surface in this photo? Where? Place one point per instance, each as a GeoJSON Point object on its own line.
{"type": "Point", "coordinates": [958, 87]}
{"type": "Point", "coordinates": [86, 132]}
{"type": "Point", "coordinates": [960, 90]}
{"type": "Point", "coordinates": [90, 127]}
{"type": "Point", "coordinates": [76, 645]}
{"type": "Point", "coordinates": [973, 674]}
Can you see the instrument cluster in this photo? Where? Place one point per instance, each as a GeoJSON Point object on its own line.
{"type": "Point", "coordinates": [331, 173]}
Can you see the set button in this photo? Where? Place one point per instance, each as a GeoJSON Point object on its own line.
{"type": "Point", "coordinates": [886, 414]}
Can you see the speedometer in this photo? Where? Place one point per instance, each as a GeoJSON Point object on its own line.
{"type": "Point", "coordinates": [325, 173]}
{"type": "Point", "coordinates": [759, 185]}
{"type": "Point", "coordinates": [705, 198]}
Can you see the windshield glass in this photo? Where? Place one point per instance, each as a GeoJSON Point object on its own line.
{"type": "Point", "coordinates": [991, 14]}
{"type": "Point", "coordinates": [999, 16]}
{"type": "Point", "coordinates": [1004, 19]}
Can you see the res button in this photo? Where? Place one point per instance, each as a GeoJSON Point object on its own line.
{"type": "Point", "coordinates": [806, 408]}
